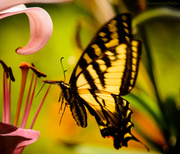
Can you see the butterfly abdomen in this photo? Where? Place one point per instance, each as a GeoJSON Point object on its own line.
{"type": "Point", "coordinates": [78, 112]}
{"type": "Point", "coordinates": [77, 108]}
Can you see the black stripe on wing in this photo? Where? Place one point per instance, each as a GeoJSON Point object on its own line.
{"type": "Point", "coordinates": [115, 71]}
{"type": "Point", "coordinates": [78, 111]}
{"type": "Point", "coordinates": [121, 132]}
{"type": "Point", "coordinates": [113, 33]}
{"type": "Point", "coordinates": [112, 114]}
{"type": "Point", "coordinates": [131, 69]}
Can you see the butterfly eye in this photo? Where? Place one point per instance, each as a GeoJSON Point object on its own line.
{"type": "Point", "coordinates": [61, 83]}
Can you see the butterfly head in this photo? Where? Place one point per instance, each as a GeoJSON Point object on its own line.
{"type": "Point", "coordinates": [62, 84]}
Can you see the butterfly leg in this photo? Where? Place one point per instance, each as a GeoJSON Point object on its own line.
{"type": "Point", "coordinates": [63, 113]}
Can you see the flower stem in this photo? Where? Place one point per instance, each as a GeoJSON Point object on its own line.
{"type": "Point", "coordinates": [155, 13]}
{"type": "Point", "coordinates": [165, 123]}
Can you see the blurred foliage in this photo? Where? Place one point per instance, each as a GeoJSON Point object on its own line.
{"type": "Point", "coordinates": [155, 100]}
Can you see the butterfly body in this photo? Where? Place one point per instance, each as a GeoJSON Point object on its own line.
{"type": "Point", "coordinates": [70, 96]}
{"type": "Point", "coordinates": [106, 71]}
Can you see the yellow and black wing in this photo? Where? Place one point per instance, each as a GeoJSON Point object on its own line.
{"type": "Point", "coordinates": [110, 62]}
{"type": "Point", "coordinates": [112, 114]}
{"type": "Point", "coordinates": [107, 70]}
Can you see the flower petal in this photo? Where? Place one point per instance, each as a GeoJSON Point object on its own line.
{"type": "Point", "coordinates": [14, 139]}
{"type": "Point", "coordinates": [5, 4]}
{"type": "Point", "coordinates": [41, 30]}
{"type": "Point", "coordinates": [45, 1]}
{"type": "Point", "coordinates": [12, 9]}
{"type": "Point", "coordinates": [40, 26]}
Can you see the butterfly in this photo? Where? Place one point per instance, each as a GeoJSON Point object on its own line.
{"type": "Point", "coordinates": [106, 71]}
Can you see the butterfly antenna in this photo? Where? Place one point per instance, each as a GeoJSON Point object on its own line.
{"type": "Point", "coordinates": [62, 113]}
{"type": "Point", "coordinates": [63, 68]}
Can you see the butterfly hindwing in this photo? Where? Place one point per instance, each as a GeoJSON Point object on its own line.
{"type": "Point", "coordinates": [112, 114]}
{"type": "Point", "coordinates": [121, 130]}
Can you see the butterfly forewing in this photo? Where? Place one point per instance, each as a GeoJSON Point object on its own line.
{"type": "Point", "coordinates": [114, 71]}
{"type": "Point", "coordinates": [115, 32]}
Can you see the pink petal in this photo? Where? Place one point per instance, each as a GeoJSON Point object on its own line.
{"type": "Point", "coordinates": [45, 1]}
{"type": "Point", "coordinates": [41, 30]}
{"type": "Point", "coordinates": [13, 9]}
{"type": "Point", "coordinates": [40, 26]}
{"type": "Point", "coordinates": [5, 4]}
{"type": "Point", "coordinates": [14, 139]}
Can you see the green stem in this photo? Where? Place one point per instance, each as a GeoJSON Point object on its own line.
{"type": "Point", "coordinates": [150, 67]}
{"type": "Point", "coordinates": [139, 21]}
{"type": "Point", "coordinates": [154, 13]}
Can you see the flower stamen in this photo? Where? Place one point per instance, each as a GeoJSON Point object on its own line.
{"type": "Point", "coordinates": [23, 123]}
{"type": "Point", "coordinates": [39, 108]}
{"type": "Point", "coordinates": [7, 92]}
{"type": "Point", "coordinates": [30, 98]}
{"type": "Point", "coordinates": [29, 105]}
{"type": "Point", "coordinates": [24, 71]}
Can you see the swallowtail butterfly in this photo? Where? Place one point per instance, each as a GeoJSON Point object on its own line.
{"type": "Point", "coordinates": [106, 71]}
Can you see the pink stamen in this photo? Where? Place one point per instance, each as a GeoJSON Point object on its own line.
{"type": "Point", "coordinates": [30, 104]}
{"type": "Point", "coordinates": [23, 123]}
{"type": "Point", "coordinates": [24, 69]}
{"type": "Point", "coordinates": [7, 74]}
{"type": "Point", "coordinates": [4, 96]}
{"type": "Point", "coordinates": [8, 104]}
{"type": "Point", "coordinates": [39, 108]}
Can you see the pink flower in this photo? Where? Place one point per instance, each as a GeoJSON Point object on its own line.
{"type": "Point", "coordinates": [13, 139]}
{"type": "Point", "coordinates": [40, 22]}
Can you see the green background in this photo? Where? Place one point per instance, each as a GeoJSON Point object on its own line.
{"type": "Point", "coordinates": [163, 38]}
